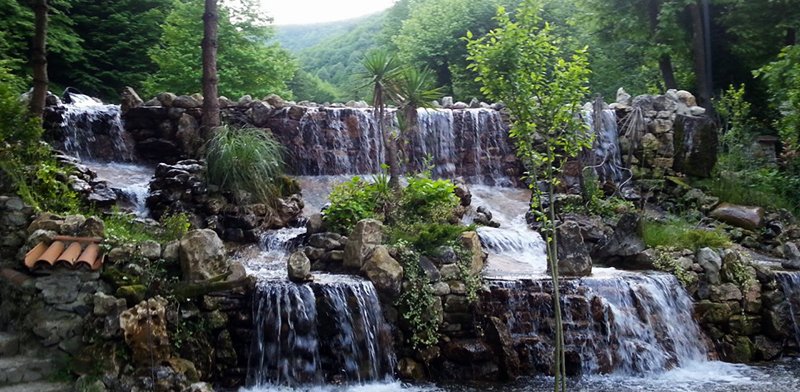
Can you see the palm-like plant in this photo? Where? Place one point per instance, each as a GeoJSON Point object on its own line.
{"type": "Point", "coordinates": [412, 88]}
{"type": "Point", "coordinates": [380, 67]}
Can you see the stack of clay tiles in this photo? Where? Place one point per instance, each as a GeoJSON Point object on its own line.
{"type": "Point", "coordinates": [68, 252]}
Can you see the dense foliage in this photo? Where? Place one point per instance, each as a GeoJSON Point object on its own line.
{"type": "Point", "coordinates": [26, 163]}
{"type": "Point", "coordinates": [247, 65]}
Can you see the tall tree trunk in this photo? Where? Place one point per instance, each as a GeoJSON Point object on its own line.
{"type": "Point", "coordinates": [664, 61]}
{"type": "Point", "coordinates": [39, 59]}
{"type": "Point", "coordinates": [699, 55]}
{"type": "Point", "coordinates": [392, 159]}
{"type": "Point", "coordinates": [210, 93]}
{"type": "Point", "coordinates": [791, 36]}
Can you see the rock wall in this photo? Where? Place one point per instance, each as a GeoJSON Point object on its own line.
{"type": "Point", "coordinates": [666, 135]}
{"type": "Point", "coordinates": [334, 140]}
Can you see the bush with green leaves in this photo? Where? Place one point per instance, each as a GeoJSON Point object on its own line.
{"type": "Point", "coordinates": [783, 80]}
{"type": "Point", "coordinates": [247, 162]}
{"type": "Point", "coordinates": [350, 202]}
{"type": "Point", "coordinates": [416, 302]}
{"type": "Point", "coordinates": [422, 202]}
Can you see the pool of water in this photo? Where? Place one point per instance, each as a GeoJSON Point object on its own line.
{"type": "Point", "coordinates": [779, 376]}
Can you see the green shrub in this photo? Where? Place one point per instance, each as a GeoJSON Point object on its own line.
{"type": "Point", "coordinates": [679, 234]}
{"type": "Point", "coordinates": [423, 202]}
{"type": "Point", "coordinates": [427, 201]}
{"type": "Point", "coordinates": [247, 162]}
{"type": "Point", "coordinates": [174, 226]}
{"type": "Point", "coordinates": [767, 187]}
{"type": "Point", "coordinates": [427, 237]}
{"type": "Point", "coordinates": [350, 202]}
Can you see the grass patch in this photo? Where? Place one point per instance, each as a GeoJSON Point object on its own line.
{"type": "Point", "coordinates": [247, 162]}
{"type": "Point", "coordinates": [121, 227]}
{"type": "Point", "coordinates": [767, 188]}
{"type": "Point", "coordinates": [680, 234]}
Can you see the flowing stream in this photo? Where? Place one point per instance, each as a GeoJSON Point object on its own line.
{"type": "Point", "coordinates": [94, 132]}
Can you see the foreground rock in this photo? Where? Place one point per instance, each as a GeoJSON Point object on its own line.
{"type": "Point", "coordinates": [202, 255]}
{"type": "Point", "coordinates": [746, 217]}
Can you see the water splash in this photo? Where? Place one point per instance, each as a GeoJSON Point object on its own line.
{"type": "Point", "coordinates": [629, 324]}
{"type": "Point", "coordinates": [89, 127]}
{"type": "Point", "coordinates": [607, 157]}
{"type": "Point", "coordinates": [330, 330]}
{"type": "Point", "coordinates": [132, 180]}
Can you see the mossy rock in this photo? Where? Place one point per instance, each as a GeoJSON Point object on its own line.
{"type": "Point", "coordinates": [743, 350]}
{"type": "Point", "coordinates": [133, 294]}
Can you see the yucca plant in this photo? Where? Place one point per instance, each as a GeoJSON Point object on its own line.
{"type": "Point", "coordinates": [247, 162]}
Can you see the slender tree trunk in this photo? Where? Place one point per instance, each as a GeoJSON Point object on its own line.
{"type": "Point", "coordinates": [210, 118]}
{"type": "Point", "coordinates": [664, 61]}
{"type": "Point", "coordinates": [699, 56]}
{"type": "Point", "coordinates": [791, 36]}
{"type": "Point", "coordinates": [391, 150]}
{"type": "Point", "coordinates": [39, 59]}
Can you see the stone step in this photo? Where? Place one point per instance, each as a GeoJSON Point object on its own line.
{"type": "Point", "coordinates": [39, 386]}
{"type": "Point", "coordinates": [9, 344]}
{"type": "Point", "coordinates": [23, 369]}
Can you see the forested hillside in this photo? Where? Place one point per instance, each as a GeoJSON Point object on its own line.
{"type": "Point", "coordinates": [298, 37]}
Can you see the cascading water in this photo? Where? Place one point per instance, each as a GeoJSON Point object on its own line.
{"type": "Point", "coordinates": [470, 143]}
{"type": "Point", "coordinates": [330, 330]}
{"type": "Point", "coordinates": [514, 249]}
{"type": "Point", "coordinates": [93, 131]}
{"type": "Point", "coordinates": [625, 324]}
{"type": "Point", "coordinates": [607, 160]}
{"type": "Point", "coordinates": [790, 285]}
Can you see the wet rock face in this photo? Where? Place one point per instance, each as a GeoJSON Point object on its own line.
{"type": "Point", "coordinates": [144, 328]}
{"type": "Point", "coordinates": [299, 267]}
{"type": "Point", "coordinates": [366, 235]}
{"type": "Point", "coordinates": [573, 257]}
{"type": "Point", "coordinates": [696, 145]}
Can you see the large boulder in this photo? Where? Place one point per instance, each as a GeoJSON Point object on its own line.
{"type": "Point", "coordinates": [695, 145]}
{"type": "Point", "coordinates": [367, 234]}
{"type": "Point", "coordinates": [383, 270]}
{"type": "Point", "coordinates": [299, 267]}
{"type": "Point", "coordinates": [145, 330]}
{"type": "Point", "coordinates": [625, 242]}
{"type": "Point", "coordinates": [711, 263]}
{"type": "Point", "coordinates": [746, 217]}
{"type": "Point", "coordinates": [129, 99]}
{"type": "Point", "coordinates": [202, 255]}
{"type": "Point", "coordinates": [573, 257]}
{"type": "Point", "coordinates": [471, 242]}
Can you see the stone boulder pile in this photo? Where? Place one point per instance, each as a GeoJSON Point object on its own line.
{"type": "Point", "coordinates": [182, 188]}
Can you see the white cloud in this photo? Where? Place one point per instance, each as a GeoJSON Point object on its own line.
{"type": "Point", "coordinates": [315, 11]}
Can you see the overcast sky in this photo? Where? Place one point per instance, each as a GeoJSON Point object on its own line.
{"type": "Point", "coordinates": [314, 11]}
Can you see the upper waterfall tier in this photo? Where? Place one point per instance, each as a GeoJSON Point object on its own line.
{"type": "Point", "coordinates": [470, 143]}
{"type": "Point", "coordinates": [90, 130]}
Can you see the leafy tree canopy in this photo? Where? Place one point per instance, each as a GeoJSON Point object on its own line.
{"type": "Point", "coordinates": [246, 63]}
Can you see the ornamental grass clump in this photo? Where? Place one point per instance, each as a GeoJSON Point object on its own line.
{"type": "Point", "coordinates": [246, 162]}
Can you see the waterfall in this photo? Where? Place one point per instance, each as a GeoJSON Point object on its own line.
{"type": "Point", "coordinates": [790, 285]}
{"type": "Point", "coordinates": [514, 249]}
{"type": "Point", "coordinates": [330, 330]}
{"type": "Point", "coordinates": [93, 131]}
{"type": "Point", "coordinates": [607, 158]}
{"type": "Point", "coordinates": [627, 324]}
{"type": "Point", "coordinates": [470, 143]}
